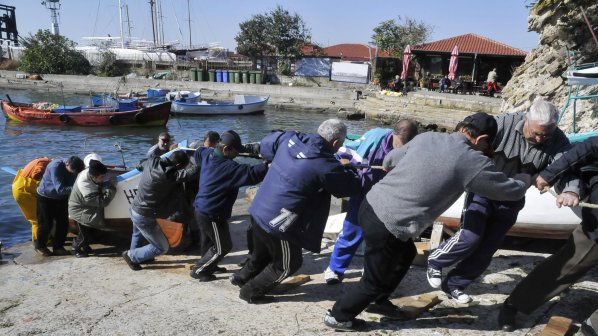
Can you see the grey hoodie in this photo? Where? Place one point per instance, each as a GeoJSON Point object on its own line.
{"type": "Point", "coordinates": [431, 173]}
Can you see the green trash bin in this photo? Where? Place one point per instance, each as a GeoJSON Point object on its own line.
{"type": "Point", "coordinates": [203, 75]}
{"type": "Point", "coordinates": [252, 77]}
{"type": "Point", "coordinates": [258, 77]}
{"type": "Point", "coordinates": [245, 76]}
{"type": "Point", "coordinates": [212, 75]}
{"type": "Point", "coordinates": [233, 76]}
{"type": "Point", "coordinates": [195, 74]}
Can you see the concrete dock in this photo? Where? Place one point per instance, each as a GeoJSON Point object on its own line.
{"type": "Point", "coordinates": [100, 295]}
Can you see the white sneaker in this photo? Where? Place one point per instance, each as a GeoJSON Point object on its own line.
{"type": "Point", "coordinates": [331, 277]}
{"type": "Point", "coordinates": [459, 296]}
{"type": "Point", "coordinates": [434, 277]}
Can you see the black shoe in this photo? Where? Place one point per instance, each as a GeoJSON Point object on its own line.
{"type": "Point", "coordinates": [43, 251]}
{"type": "Point", "coordinates": [202, 277]}
{"type": "Point", "coordinates": [219, 269]}
{"type": "Point", "coordinates": [79, 253]}
{"type": "Point", "coordinates": [506, 317]}
{"type": "Point", "coordinates": [262, 299]}
{"type": "Point", "coordinates": [236, 280]}
{"type": "Point", "coordinates": [387, 309]}
{"type": "Point", "coordinates": [132, 265]}
{"type": "Point", "coordinates": [353, 325]}
{"type": "Point", "coordinates": [242, 263]}
{"type": "Point", "coordinates": [59, 251]}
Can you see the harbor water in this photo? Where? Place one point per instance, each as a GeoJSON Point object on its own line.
{"type": "Point", "coordinates": [23, 142]}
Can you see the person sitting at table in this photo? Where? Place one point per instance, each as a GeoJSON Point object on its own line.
{"type": "Point", "coordinates": [458, 85]}
{"type": "Point", "coordinates": [443, 84]}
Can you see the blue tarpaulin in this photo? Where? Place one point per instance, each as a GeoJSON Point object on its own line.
{"type": "Point", "coordinates": [313, 67]}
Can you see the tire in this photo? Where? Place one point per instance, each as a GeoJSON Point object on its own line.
{"type": "Point", "coordinates": [140, 118]}
{"type": "Point", "coordinates": [64, 118]}
{"type": "Point", "coordinates": [240, 107]}
{"type": "Point", "coordinates": [113, 120]}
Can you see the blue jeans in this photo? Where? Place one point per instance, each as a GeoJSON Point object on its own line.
{"type": "Point", "coordinates": [348, 240]}
{"type": "Point", "coordinates": [151, 231]}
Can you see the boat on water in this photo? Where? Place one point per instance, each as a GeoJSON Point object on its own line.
{"type": "Point", "coordinates": [128, 113]}
{"type": "Point", "coordinates": [242, 104]}
{"type": "Point", "coordinates": [184, 96]}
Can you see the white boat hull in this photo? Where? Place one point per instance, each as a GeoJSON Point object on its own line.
{"type": "Point", "coordinates": [242, 105]}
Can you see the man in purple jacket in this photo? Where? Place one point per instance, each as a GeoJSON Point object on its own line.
{"type": "Point", "coordinates": [290, 210]}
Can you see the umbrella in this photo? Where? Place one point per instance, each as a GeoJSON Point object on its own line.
{"type": "Point", "coordinates": [453, 63]}
{"type": "Point", "coordinates": [406, 58]}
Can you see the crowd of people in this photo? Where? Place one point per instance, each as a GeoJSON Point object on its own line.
{"type": "Point", "coordinates": [494, 159]}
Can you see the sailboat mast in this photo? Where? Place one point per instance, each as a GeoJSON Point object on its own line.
{"type": "Point", "coordinates": [152, 4]}
{"type": "Point", "coordinates": [120, 15]}
{"type": "Point", "coordinates": [189, 20]}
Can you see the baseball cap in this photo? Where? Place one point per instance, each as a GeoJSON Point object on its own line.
{"type": "Point", "coordinates": [485, 123]}
{"type": "Point", "coordinates": [232, 139]}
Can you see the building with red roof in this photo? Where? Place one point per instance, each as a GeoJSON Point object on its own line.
{"type": "Point", "coordinates": [353, 52]}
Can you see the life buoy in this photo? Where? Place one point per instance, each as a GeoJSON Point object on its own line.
{"type": "Point", "coordinates": [64, 118]}
{"type": "Point", "coordinates": [140, 118]}
{"type": "Point", "coordinates": [113, 120]}
{"type": "Point", "coordinates": [240, 107]}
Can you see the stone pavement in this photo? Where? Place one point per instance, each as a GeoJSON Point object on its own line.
{"type": "Point", "coordinates": [100, 295]}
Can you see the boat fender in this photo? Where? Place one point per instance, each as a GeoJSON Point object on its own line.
{"type": "Point", "coordinates": [64, 118]}
{"type": "Point", "coordinates": [140, 118]}
{"type": "Point", "coordinates": [113, 120]}
{"type": "Point", "coordinates": [240, 107]}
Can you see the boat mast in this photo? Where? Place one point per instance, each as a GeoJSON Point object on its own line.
{"type": "Point", "coordinates": [152, 9]}
{"type": "Point", "coordinates": [189, 19]}
{"type": "Point", "coordinates": [120, 15]}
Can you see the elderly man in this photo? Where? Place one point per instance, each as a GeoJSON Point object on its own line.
{"type": "Point", "coordinates": [52, 203]}
{"type": "Point", "coordinates": [525, 143]}
{"type": "Point", "coordinates": [290, 210]}
{"type": "Point", "coordinates": [158, 187]}
{"type": "Point", "coordinates": [579, 255]}
{"type": "Point", "coordinates": [370, 149]}
{"type": "Point", "coordinates": [162, 147]}
{"type": "Point", "coordinates": [427, 175]}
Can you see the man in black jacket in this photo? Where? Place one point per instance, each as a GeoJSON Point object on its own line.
{"type": "Point", "coordinates": [159, 184]}
{"type": "Point", "coordinates": [580, 253]}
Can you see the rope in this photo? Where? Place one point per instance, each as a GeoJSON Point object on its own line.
{"type": "Point", "coordinates": [581, 204]}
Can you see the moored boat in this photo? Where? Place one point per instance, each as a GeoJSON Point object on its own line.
{"type": "Point", "coordinates": [242, 104]}
{"type": "Point", "coordinates": [132, 115]}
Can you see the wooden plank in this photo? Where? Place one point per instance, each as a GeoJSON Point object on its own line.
{"type": "Point", "coordinates": [413, 306]}
{"type": "Point", "coordinates": [291, 283]}
{"type": "Point", "coordinates": [421, 258]}
{"type": "Point", "coordinates": [436, 236]}
{"type": "Point", "coordinates": [557, 326]}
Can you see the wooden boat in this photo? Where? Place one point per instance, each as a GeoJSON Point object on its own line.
{"type": "Point", "coordinates": [243, 104]}
{"type": "Point", "coordinates": [184, 96]}
{"type": "Point", "coordinates": [131, 115]}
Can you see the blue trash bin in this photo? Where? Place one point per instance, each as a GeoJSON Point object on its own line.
{"type": "Point", "coordinates": [225, 76]}
{"type": "Point", "coordinates": [219, 76]}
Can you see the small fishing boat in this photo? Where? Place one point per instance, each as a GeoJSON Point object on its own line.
{"type": "Point", "coordinates": [129, 113]}
{"type": "Point", "coordinates": [184, 96]}
{"type": "Point", "coordinates": [243, 104]}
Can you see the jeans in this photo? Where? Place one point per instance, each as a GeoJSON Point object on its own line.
{"type": "Point", "coordinates": [151, 231]}
{"type": "Point", "coordinates": [348, 240]}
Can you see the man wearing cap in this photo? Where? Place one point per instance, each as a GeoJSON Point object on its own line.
{"type": "Point", "coordinates": [162, 147]}
{"type": "Point", "coordinates": [525, 143]}
{"type": "Point", "coordinates": [425, 177]}
{"type": "Point", "coordinates": [86, 204]}
{"type": "Point", "coordinates": [290, 209]}
{"type": "Point", "coordinates": [158, 188]}
{"type": "Point", "coordinates": [219, 183]}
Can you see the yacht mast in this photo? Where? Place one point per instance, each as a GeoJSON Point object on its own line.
{"type": "Point", "coordinates": [120, 15]}
{"type": "Point", "coordinates": [189, 20]}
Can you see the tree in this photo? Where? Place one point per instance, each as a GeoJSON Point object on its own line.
{"type": "Point", "coordinates": [275, 33]}
{"type": "Point", "coordinates": [109, 66]}
{"type": "Point", "coordinates": [393, 36]}
{"type": "Point", "coordinates": [52, 54]}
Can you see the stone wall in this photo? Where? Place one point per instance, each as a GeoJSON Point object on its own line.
{"type": "Point", "coordinates": [561, 27]}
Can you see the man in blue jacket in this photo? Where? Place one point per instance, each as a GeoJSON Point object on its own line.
{"type": "Point", "coordinates": [53, 201]}
{"type": "Point", "coordinates": [290, 210]}
{"type": "Point", "coordinates": [219, 183]}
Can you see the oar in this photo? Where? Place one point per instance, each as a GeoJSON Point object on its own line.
{"type": "Point", "coordinates": [9, 170]}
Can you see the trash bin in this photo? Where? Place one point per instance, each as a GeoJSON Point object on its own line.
{"type": "Point", "coordinates": [245, 75]}
{"type": "Point", "coordinates": [212, 75]}
{"type": "Point", "coordinates": [237, 76]}
{"type": "Point", "coordinates": [225, 76]}
{"type": "Point", "coordinates": [252, 77]}
{"type": "Point", "coordinates": [219, 76]}
{"type": "Point", "coordinates": [258, 77]}
{"type": "Point", "coordinates": [203, 75]}
{"type": "Point", "coordinates": [195, 74]}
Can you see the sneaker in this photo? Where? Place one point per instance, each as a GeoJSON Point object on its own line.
{"type": "Point", "coordinates": [460, 296]}
{"type": "Point", "coordinates": [79, 253]}
{"type": "Point", "coordinates": [43, 251]}
{"type": "Point", "coordinates": [331, 277]}
{"type": "Point", "coordinates": [59, 251]}
{"type": "Point", "coordinates": [132, 265]}
{"type": "Point", "coordinates": [386, 308]}
{"type": "Point", "coordinates": [202, 277]}
{"type": "Point", "coordinates": [261, 299]}
{"type": "Point", "coordinates": [353, 325]}
{"type": "Point", "coordinates": [236, 280]}
{"type": "Point", "coordinates": [434, 277]}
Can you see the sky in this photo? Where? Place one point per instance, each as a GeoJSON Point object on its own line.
{"type": "Point", "coordinates": [330, 21]}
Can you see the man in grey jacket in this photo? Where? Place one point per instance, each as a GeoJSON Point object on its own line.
{"type": "Point", "coordinates": [427, 175]}
{"type": "Point", "coordinates": [525, 143]}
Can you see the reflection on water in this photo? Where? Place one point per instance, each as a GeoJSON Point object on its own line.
{"type": "Point", "coordinates": [23, 142]}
